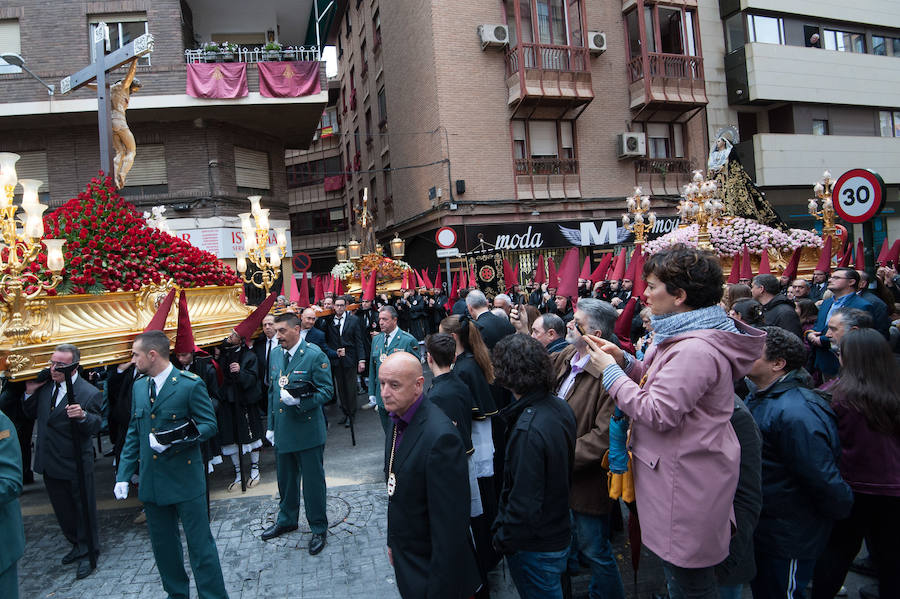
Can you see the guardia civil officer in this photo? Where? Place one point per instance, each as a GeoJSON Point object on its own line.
{"type": "Point", "coordinates": [173, 405]}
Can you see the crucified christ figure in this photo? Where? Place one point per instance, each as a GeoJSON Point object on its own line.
{"type": "Point", "coordinates": [123, 140]}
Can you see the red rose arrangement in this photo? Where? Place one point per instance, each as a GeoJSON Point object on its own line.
{"type": "Point", "coordinates": [109, 247]}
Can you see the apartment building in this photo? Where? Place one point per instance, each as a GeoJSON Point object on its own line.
{"type": "Point", "coordinates": [520, 123]}
{"type": "Point", "coordinates": [200, 157]}
{"type": "Point", "coordinates": [810, 85]}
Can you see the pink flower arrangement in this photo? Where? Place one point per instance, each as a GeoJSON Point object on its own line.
{"type": "Point", "coordinates": [730, 237]}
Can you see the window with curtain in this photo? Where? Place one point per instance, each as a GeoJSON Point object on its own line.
{"type": "Point", "coordinates": [543, 139]}
{"type": "Point", "coordinates": [518, 129]}
{"type": "Point", "coordinates": [9, 44]}
{"type": "Point", "coordinates": [251, 169]}
{"type": "Point", "coordinates": [889, 123]}
{"type": "Point", "coordinates": [671, 33]}
{"type": "Point", "coordinates": [542, 135]}
{"type": "Point", "coordinates": [665, 140]}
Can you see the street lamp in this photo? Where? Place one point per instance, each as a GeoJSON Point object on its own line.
{"type": "Point", "coordinates": [17, 61]}
{"type": "Point", "coordinates": [637, 207]}
{"type": "Point", "coordinates": [823, 189]}
{"type": "Point", "coordinates": [266, 258]}
{"type": "Point", "coordinates": [398, 246]}
{"type": "Point", "coordinates": [19, 286]}
{"type": "Point", "coordinates": [701, 206]}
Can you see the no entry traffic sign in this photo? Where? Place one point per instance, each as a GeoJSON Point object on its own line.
{"type": "Point", "coordinates": [301, 261]}
{"type": "Point", "coordinates": [445, 237]}
{"type": "Point", "coordinates": [858, 195]}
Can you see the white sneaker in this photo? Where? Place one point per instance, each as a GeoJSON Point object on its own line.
{"type": "Point", "coordinates": [368, 406]}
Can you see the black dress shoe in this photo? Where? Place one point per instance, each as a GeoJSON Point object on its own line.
{"type": "Point", "coordinates": [317, 543]}
{"type": "Point", "coordinates": [74, 554]}
{"type": "Point", "coordinates": [347, 424]}
{"type": "Point", "coordinates": [276, 531]}
{"type": "Point", "coordinates": [84, 569]}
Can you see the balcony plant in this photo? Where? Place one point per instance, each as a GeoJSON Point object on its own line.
{"type": "Point", "coordinates": [211, 51]}
{"type": "Point", "coordinates": [273, 51]}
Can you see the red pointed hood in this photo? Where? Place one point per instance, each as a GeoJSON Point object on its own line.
{"type": "Point", "coordinates": [303, 294]}
{"type": "Point", "coordinates": [824, 263]}
{"type": "Point", "coordinates": [585, 269]}
{"type": "Point", "coordinates": [623, 324]}
{"type": "Point", "coordinates": [184, 338]}
{"type": "Point", "coordinates": [735, 276]}
{"type": "Point", "coordinates": [894, 255]}
{"type": "Point", "coordinates": [249, 325]}
{"type": "Point", "coordinates": [552, 276]}
{"type": "Point", "coordinates": [437, 279]}
{"type": "Point", "coordinates": [600, 272]}
{"type": "Point", "coordinates": [882, 254]}
{"type": "Point", "coordinates": [540, 274]}
{"type": "Point", "coordinates": [638, 283]}
{"type": "Point", "coordinates": [158, 322]}
{"type": "Point", "coordinates": [790, 271]}
{"type": "Point", "coordinates": [764, 268]}
{"type": "Point", "coordinates": [618, 271]}
{"type": "Point", "coordinates": [746, 269]}
{"type": "Point", "coordinates": [860, 255]}
{"type": "Point", "coordinates": [319, 289]}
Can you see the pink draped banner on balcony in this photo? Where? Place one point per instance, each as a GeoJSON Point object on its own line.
{"type": "Point", "coordinates": [217, 80]}
{"type": "Point", "coordinates": [334, 183]}
{"type": "Point", "coordinates": [289, 79]}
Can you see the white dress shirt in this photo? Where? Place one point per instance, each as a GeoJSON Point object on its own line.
{"type": "Point", "coordinates": [160, 379]}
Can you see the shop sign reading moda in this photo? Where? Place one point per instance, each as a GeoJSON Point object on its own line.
{"type": "Point", "coordinates": [576, 233]}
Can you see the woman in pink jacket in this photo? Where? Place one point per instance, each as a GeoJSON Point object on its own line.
{"type": "Point", "coordinates": [680, 398]}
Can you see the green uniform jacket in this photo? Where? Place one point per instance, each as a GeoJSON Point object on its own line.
{"type": "Point", "coordinates": [11, 529]}
{"type": "Point", "coordinates": [177, 474]}
{"type": "Point", "coordinates": [302, 426]}
{"type": "Point", "coordinates": [402, 341]}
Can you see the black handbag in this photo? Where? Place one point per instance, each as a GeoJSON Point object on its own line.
{"type": "Point", "coordinates": [185, 432]}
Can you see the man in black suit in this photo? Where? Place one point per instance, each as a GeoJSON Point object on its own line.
{"type": "Point", "coordinates": [492, 327]}
{"type": "Point", "coordinates": [54, 457]}
{"type": "Point", "coordinates": [310, 332]}
{"type": "Point", "coordinates": [368, 322]}
{"type": "Point", "coordinates": [428, 489]}
{"type": "Point", "coordinates": [262, 347]}
{"type": "Point", "coordinates": [344, 335]}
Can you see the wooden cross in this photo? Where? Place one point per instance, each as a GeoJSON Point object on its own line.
{"type": "Point", "coordinates": [98, 72]}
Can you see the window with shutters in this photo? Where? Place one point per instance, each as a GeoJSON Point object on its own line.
{"type": "Point", "coordinates": [9, 44]}
{"type": "Point", "coordinates": [148, 175]}
{"type": "Point", "coordinates": [33, 165]}
{"type": "Point", "coordinates": [251, 171]}
{"type": "Point", "coordinates": [123, 29]}
{"type": "Point", "coordinates": [544, 147]}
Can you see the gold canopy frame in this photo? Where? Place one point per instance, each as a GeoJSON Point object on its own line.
{"type": "Point", "coordinates": [104, 326]}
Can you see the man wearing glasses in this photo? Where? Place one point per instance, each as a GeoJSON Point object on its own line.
{"type": "Point", "coordinates": [54, 456]}
{"type": "Point", "coordinates": [843, 284]}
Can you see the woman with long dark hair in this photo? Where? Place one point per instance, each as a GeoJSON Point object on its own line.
{"type": "Point", "coordinates": [473, 366]}
{"type": "Point", "coordinates": [866, 400]}
{"type": "Point", "coordinates": [680, 398]}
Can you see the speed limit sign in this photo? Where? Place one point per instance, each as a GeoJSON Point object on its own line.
{"type": "Point", "coordinates": [858, 195]}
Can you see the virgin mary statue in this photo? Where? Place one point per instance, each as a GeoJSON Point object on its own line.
{"type": "Point", "coordinates": [739, 193]}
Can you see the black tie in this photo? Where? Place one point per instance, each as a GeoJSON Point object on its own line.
{"type": "Point", "coordinates": [152, 391]}
{"type": "Point", "coordinates": [53, 398]}
{"type": "Point", "coordinates": [287, 360]}
{"type": "Point", "coordinates": [268, 351]}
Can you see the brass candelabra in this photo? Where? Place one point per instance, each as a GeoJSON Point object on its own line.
{"type": "Point", "coordinates": [823, 189]}
{"type": "Point", "coordinates": [265, 257]}
{"type": "Point", "coordinates": [20, 286]}
{"type": "Point", "coordinates": [637, 218]}
{"type": "Point", "coordinates": [700, 205]}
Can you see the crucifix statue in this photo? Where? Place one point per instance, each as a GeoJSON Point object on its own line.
{"type": "Point", "coordinates": [366, 222]}
{"type": "Point", "coordinates": [112, 100]}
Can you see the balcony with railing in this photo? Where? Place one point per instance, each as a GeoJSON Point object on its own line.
{"type": "Point", "coordinates": [670, 84]}
{"type": "Point", "coordinates": [662, 176]}
{"type": "Point", "coordinates": [555, 79]}
{"type": "Point", "coordinates": [546, 178]}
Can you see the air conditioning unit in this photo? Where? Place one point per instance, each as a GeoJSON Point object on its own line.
{"type": "Point", "coordinates": [495, 36]}
{"type": "Point", "coordinates": [631, 144]}
{"type": "Point", "coordinates": [596, 42]}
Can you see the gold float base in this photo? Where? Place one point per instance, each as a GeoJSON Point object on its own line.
{"type": "Point", "coordinates": [104, 326]}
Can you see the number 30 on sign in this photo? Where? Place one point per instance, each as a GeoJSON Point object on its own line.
{"type": "Point", "coordinates": [858, 195]}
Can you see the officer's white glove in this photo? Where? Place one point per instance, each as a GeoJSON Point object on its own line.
{"type": "Point", "coordinates": [270, 435]}
{"type": "Point", "coordinates": [372, 399]}
{"type": "Point", "coordinates": [156, 445]}
{"type": "Point", "coordinates": [288, 399]}
{"type": "Point", "coordinates": [121, 491]}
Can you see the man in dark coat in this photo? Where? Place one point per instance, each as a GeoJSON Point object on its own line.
{"type": "Point", "coordinates": [428, 490]}
{"type": "Point", "coordinates": [53, 455]}
{"type": "Point", "coordinates": [492, 327]}
{"type": "Point", "coordinates": [239, 419]}
{"type": "Point", "coordinates": [819, 285]}
{"type": "Point", "coordinates": [803, 491]}
{"type": "Point", "coordinates": [459, 306]}
{"type": "Point", "coordinates": [778, 310]}
{"type": "Point", "coordinates": [447, 391]}
{"type": "Point", "coordinates": [344, 336]}
{"type": "Point", "coordinates": [368, 322]}
{"type": "Point", "coordinates": [262, 347]}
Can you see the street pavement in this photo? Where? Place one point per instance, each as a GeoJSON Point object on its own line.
{"type": "Point", "coordinates": [353, 565]}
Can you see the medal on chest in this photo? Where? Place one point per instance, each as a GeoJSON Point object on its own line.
{"type": "Point", "coordinates": [282, 381]}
